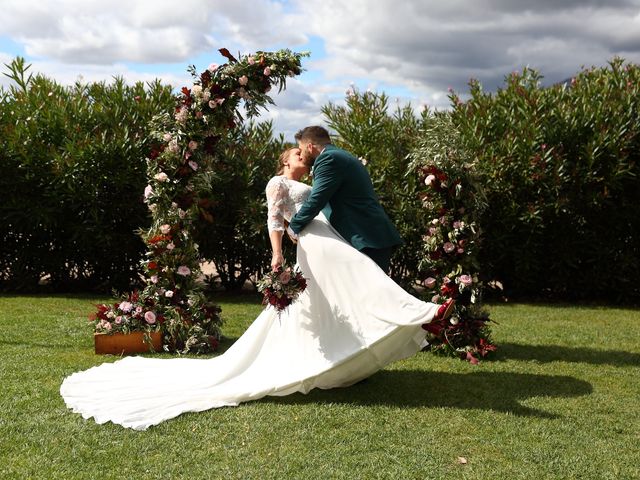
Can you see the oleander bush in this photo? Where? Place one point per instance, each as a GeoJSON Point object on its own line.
{"type": "Point", "coordinates": [559, 165]}
{"type": "Point", "coordinates": [74, 170]}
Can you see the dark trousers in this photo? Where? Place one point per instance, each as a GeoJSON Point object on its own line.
{"type": "Point", "coordinates": [382, 256]}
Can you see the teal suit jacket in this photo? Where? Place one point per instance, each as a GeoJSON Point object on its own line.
{"type": "Point", "coordinates": [342, 189]}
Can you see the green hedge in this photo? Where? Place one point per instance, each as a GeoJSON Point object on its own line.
{"type": "Point", "coordinates": [236, 238]}
{"type": "Point", "coordinates": [73, 161]}
{"type": "Point", "coordinates": [560, 168]}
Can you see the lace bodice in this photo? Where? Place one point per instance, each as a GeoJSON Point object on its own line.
{"type": "Point", "coordinates": [284, 199]}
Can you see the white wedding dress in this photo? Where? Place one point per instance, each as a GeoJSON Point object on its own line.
{"type": "Point", "coordinates": [350, 322]}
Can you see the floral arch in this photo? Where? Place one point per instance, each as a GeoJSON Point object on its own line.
{"type": "Point", "coordinates": [180, 167]}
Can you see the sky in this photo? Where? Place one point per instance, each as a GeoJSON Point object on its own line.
{"type": "Point", "coordinates": [412, 50]}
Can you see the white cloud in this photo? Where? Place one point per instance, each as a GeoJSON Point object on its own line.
{"type": "Point", "coordinates": [147, 31]}
{"type": "Point", "coordinates": [297, 107]}
{"type": "Point", "coordinates": [413, 49]}
{"type": "Point", "coordinates": [429, 45]}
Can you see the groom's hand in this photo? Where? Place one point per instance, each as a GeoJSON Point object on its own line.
{"type": "Point", "coordinates": [292, 235]}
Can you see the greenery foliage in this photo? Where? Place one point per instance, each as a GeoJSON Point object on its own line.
{"type": "Point", "coordinates": [73, 175]}
{"type": "Point", "coordinates": [452, 201]}
{"type": "Point", "coordinates": [558, 165]}
{"type": "Point", "coordinates": [560, 169]}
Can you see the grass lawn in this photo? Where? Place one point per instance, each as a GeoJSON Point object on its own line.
{"type": "Point", "coordinates": [561, 400]}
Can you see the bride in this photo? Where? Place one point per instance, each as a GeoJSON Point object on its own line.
{"type": "Point", "coordinates": [350, 322]}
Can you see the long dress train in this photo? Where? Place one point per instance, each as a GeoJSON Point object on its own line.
{"type": "Point", "coordinates": [350, 322]}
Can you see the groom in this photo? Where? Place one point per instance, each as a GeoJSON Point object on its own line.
{"type": "Point", "coordinates": [342, 189]}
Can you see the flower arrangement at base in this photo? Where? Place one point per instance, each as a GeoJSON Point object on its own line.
{"type": "Point", "coordinates": [129, 315]}
{"type": "Point", "coordinates": [281, 287]}
{"type": "Point", "coordinates": [452, 200]}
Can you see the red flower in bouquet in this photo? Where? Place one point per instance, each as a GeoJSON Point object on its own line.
{"type": "Point", "coordinates": [449, 289]}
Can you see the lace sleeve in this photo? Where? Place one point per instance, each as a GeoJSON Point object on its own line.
{"type": "Point", "coordinates": [277, 193]}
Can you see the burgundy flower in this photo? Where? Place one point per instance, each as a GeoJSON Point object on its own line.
{"type": "Point", "coordinates": [449, 289]}
{"type": "Point", "coordinates": [213, 342]}
{"type": "Point", "coordinates": [210, 143]}
{"type": "Point", "coordinates": [225, 53]}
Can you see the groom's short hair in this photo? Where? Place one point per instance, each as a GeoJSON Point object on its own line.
{"type": "Point", "coordinates": [314, 134]}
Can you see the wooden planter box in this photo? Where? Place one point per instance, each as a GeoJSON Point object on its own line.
{"type": "Point", "coordinates": [126, 343]}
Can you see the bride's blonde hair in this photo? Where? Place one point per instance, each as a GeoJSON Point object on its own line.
{"type": "Point", "coordinates": [283, 158]}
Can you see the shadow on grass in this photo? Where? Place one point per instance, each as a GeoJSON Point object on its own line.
{"type": "Point", "coordinates": [496, 391]}
{"type": "Point", "coordinates": [555, 353]}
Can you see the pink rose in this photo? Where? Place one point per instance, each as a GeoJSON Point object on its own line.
{"type": "Point", "coordinates": [243, 80]}
{"type": "Point", "coordinates": [430, 282]}
{"type": "Point", "coordinates": [213, 67]}
{"type": "Point", "coordinates": [170, 246]}
{"type": "Point", "coordinates": [150, 317]}
{"type": "Point", "coordinates": [267, 71]}
{"type": "Point", "coordinates": [429, 180]}
{"type": "Point", "coordinates": [167, 137]}
{"type": "Point", "coordinates": [184, 270]}
{"type": "Point", "coordinates": [465, 280]}
{"type": "Point", "coordinates": [193, 145]}
{"type": "Point", "coordinates": [161, 177]}
{"type": "Point", "coordinates": [193, 165]}
{"type": "Point", "coordinates": [182, 115]}
{"type": "Point", "coordinates": [164, 229]}
{"type": "Point", "coordinates": [173, 146]}
{"type": "Point", "coordinates": [449, 247]}
{"type": "Point", "coordinates": [154, 279]}
{"type": "Point", "coordinates": [148, 191]}
{"type": "Point", "coordinates": [118, 320]}
{"type": "Point", "coordinates": [168, 293]}
{"type": "Point", "coordinates": [251, 60]}
{"type": "Point", "coordinates": [285, 277]}
{"type": "Point", "coordinates": [126, 307]}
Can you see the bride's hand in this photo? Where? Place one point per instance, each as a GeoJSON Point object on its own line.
{"type": "Point", "coordinates": [276, 260]}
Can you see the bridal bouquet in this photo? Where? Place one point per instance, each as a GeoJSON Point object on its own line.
{"type": "Point", "coordinates": [281, 287]}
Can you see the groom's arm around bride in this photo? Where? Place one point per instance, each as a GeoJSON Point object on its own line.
{"type": "Point", "coordinates": [343, 190]}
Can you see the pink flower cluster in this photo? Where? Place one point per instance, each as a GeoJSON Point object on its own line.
{"type": "Point", "coordinates": [128, 315]}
